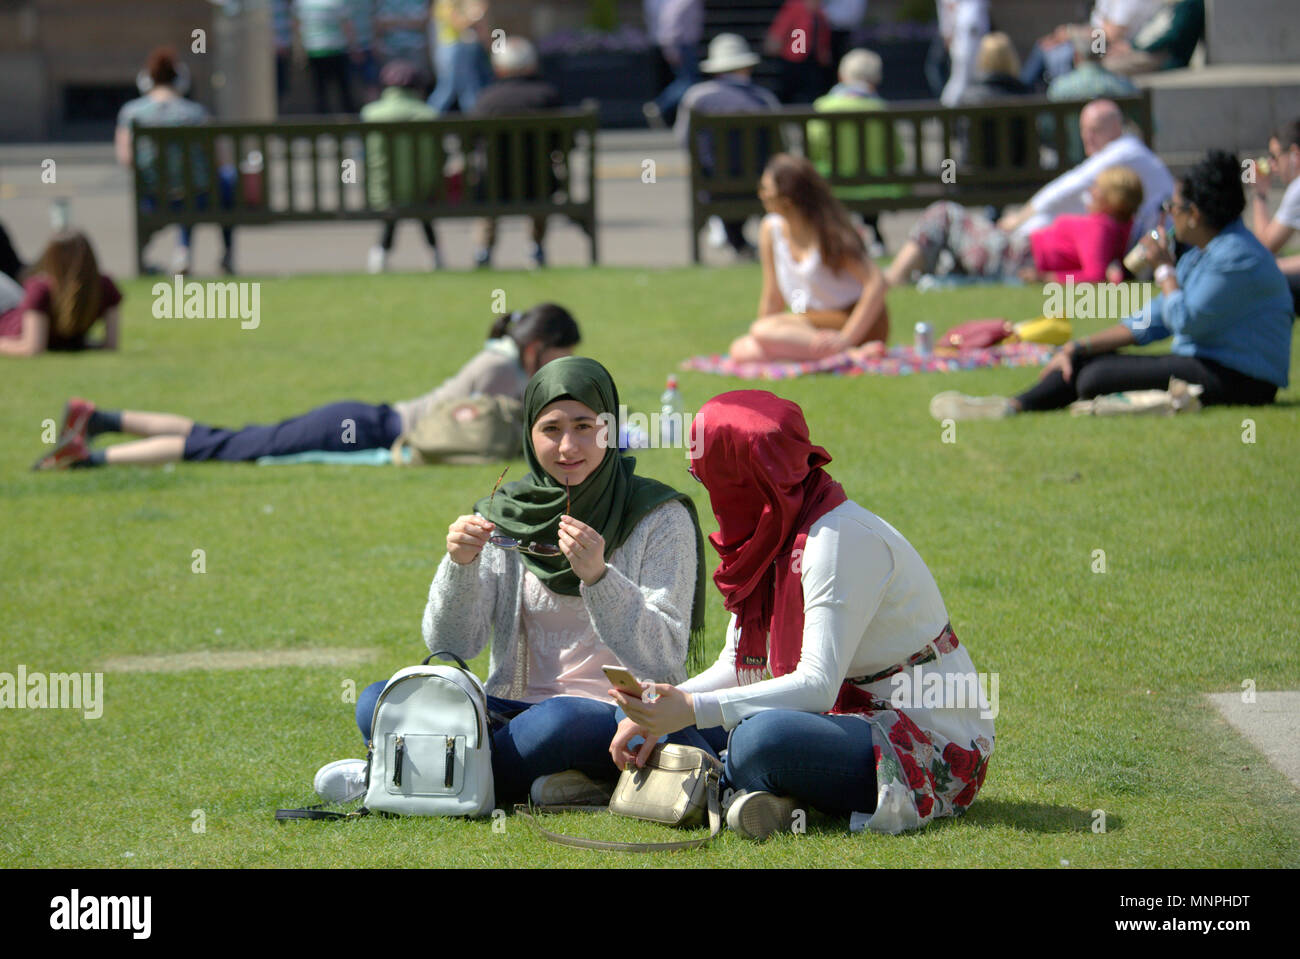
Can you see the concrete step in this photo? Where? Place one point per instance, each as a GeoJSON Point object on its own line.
{"type": "Point", "coordinates": [1231, 107]}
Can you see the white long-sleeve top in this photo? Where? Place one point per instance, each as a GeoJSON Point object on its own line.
{"type": "Point", "coordinates": [1065, 194]}
{"type": "Point", "coordinates": [869, 602]}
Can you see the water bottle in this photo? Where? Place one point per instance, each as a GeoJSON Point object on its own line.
{"type": "Point", "coordinates": [670, 415]}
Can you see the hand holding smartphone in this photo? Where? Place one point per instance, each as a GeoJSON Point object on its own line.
{"type": "Point", "coordinates": [622, 679]}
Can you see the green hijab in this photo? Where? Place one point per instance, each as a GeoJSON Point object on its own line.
{"type": "Point", "coordinates": [612, 500]}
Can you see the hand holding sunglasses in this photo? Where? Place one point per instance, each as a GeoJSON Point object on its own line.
{"type": "Point", "coordinates": [501, 541]}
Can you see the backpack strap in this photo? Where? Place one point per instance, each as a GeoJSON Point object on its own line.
{"type": "Point", "coordinates": [445, 653]}
{"type": "Point", "coordinates": [715, 827]}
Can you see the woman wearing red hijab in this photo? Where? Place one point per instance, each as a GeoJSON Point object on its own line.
{"type": "Point", "coordinates": [841, 683]}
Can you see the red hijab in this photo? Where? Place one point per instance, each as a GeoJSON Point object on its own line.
{"type": "Point", "coordinates": [767, 487]}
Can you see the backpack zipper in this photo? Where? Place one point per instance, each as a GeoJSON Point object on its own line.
{"type": "Point", "coordinates": [399, 748]}
{"type": "Point", "coordinates": [451, 762]}
{"type": "Point", "coordinates": [478, 719]}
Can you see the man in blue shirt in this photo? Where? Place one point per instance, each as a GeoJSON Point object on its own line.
{"type": "Point", "coordinates": [1226, 305]}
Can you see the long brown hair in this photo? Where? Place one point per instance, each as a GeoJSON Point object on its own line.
{"type": "Point", "coordinates": [797, 181]}
{"type": "Point", "coordinates": [75, 286]}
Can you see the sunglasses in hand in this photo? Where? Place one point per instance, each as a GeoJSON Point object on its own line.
{"type": "Point", "coordinates": [509, 542]}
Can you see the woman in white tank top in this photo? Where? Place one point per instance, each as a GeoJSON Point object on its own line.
{"type": "Point", "coordinates": [821, 294]}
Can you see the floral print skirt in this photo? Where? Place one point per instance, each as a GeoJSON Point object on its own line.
{"type": "Point", "coordinates": [932, 726]}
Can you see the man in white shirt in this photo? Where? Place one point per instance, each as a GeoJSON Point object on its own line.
{"type": "Point", "coordinates": [1105, 144]}
{"type": "Point", "coordinates": [1275, 231]}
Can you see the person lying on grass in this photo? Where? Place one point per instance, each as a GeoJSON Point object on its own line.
{"type": "Point", "coordinates": [518, 346]}
{"type": "Point", "coordinates": [580, 564]}
{"type": "Point", "coordinates": [1078, 247]}
{"type": "Point", "coordinates": [1226, 305]}
{"type": "Point", "coordinates": [821, 293]}
{"type": "Point", "coordinates": [62, 297]}
{"type": "Point", "coordinates": [830, 607]}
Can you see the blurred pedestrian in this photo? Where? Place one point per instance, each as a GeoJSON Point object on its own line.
{"type": "Point", "coordinates": [365, 64]}
{"type": "Point", "coordinates": [962, 24]}
{"type": "Point", "coordinates": [402, 31]}
{"type": "Point", "coordinates": [407, 176]}
{"type": "Point", "coordinates": [517, 90]}
{"type": "Point", "coordinates": [163, 84]}
{"type": "Point", "coordinates": [801, 36]}
{"type": "Point", "coordinates": [459, 58]}
{"type": "Point", "coordinates": [731, 90]}
{"type": "Point", "coordinates": [678, 28]}
{"type": "Point", "coordinates": [325, 37]}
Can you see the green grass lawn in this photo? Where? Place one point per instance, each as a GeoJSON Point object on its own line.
{"type": "Point", "coordinates": [1101, 675]}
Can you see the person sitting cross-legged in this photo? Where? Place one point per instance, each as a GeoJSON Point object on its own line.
{"type": "Point", "coordinates": [1226, 305]}
{"type": "Point", "coordinates": [821, 294]}
{"type": "Point", "coordinates": [1070, 247]}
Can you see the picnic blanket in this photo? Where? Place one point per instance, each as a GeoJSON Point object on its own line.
{"type": "Point", "coordinates": [369, 457]}
{"type": "Point", "coordinates": [897, 361]}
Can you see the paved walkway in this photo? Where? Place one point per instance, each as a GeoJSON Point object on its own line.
{"type": "Point", "coordinates": [1271, 724]}
{"type": "Point", "coordinates": [641, 224]}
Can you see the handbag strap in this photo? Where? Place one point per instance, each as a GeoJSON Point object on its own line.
{"type": "Point", "coordinates": [316, 812]}
{"type": "Point", "coordinates": [715, 827]}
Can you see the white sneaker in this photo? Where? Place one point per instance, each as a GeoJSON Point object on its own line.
{"type": "Point", "coordinates": [181, 260]}
{"type": "Point", "coordinates": [758, 815]}
{"type": "Point", "coordinates": [569, 788]}
{"type": "Point", "coordinates": [717, 233]}
{"type": "Point", "coordinates": [952, 405]}
{"type": "Point", "coordinates": [377, 261]}
{"type": "Point", "coordinates": [341, 781]}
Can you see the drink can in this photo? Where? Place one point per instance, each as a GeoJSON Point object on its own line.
{"type": "Point", "coordinates": [1136, 261]}
{"type": "Point", "coordinates": [924, 339]}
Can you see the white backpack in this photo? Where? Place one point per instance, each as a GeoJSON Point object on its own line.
{"type": "Point", "coordinates": [430, 747]}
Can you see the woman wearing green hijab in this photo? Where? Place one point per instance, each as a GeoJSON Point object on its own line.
{"type": "Point", "coordinates": [625, 587]}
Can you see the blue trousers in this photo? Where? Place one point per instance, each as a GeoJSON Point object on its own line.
{"type": "Point", "coordinates": [463, 71]}
{"type": "Point", "coordinates": [336, 427]}
{"type": "Point", "coordinates": [824, 761]}
{"type": "Point", "coordinates": [533, 739]}
{"type": "Point", "coordinates": [685, 74]}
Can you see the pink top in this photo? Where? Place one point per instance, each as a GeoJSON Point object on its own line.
{"type": "Point", "coordinates": [1079, 246]}
{"type": "Point", "coordinates": [564, 653]}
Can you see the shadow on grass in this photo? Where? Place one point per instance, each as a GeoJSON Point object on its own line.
{"type": "Point", "coordinates": [1033, 817]}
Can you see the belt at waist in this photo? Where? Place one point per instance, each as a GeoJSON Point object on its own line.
{"type": "Point", "coordinates": [945, 642]}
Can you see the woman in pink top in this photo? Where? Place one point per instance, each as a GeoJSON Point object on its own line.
{"type": "Point", "coordinates": [63, 296]}
{"type": "Point", "coordinates": [1081, 247]}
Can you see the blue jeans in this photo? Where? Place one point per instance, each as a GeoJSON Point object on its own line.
{"type": "Point", "coordinates": [226, 176]}
{"type": "Point", "coordinates": [685, 74]}
{"type": "Point", "coordinates": [462, 72]}
{"type": "Point", "coordinates": [533, 739]}
{"type": "Point", "coordinates": [1047, 63]}
{"type": "Point", "coordinates": [824, 761]}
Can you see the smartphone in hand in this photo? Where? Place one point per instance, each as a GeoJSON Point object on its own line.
{"type": "Point", "coordinates": [622, 679]}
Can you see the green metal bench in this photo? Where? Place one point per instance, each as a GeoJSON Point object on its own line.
{"type": "Point", "coordinates": [966, 154]}
{"type": "Point", "coordinates": [315, 170]}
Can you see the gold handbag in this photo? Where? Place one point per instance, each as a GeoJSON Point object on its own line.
{"type": "Point", "coordinates": [678, 786]}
